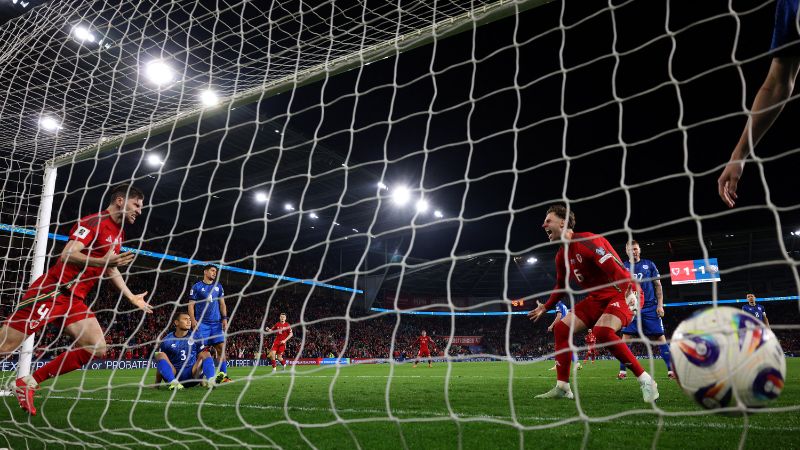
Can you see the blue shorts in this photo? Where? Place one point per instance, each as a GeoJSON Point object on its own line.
{"type": "Point", "coordinates": [186, 374]}
{"type": "Point", "coordinates": [651, 325]}
{"type": "Point", "coordinates": [210, 332]}
{"type": "Point", "coordinates": [785, 34]}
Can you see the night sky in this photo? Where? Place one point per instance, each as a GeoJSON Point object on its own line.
{"type": "Point", "coordinates": [598, 106]}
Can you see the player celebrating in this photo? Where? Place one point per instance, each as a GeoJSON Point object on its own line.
{"type": "Point", "coordinates": [756, 310]}
{"type": "Point", "coordinates": [652, 327]}
{"type": "Point", "coordinates": [183, 355]}
{"type": "Point", "coordinates": [591, 340]}
{"type": "Point", "coordinates": [610, 304]}
{"type": "Point", "coordinates": [561, 312]}
{"type": "Point", "coordinates": [423, 341]}
{"type": "Point", "coordinates": [93, 251]}
{"type": "Point", "coordinates": [209, 317]}
{"type": "Point", "coordinates": [284, 333]}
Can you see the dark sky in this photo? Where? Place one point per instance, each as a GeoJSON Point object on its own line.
{"type": "Point", "coordinates": [600, 107]}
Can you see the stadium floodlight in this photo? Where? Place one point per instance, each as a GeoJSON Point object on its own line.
{"type": "Point", "coordinates": [355, 230]}
{"type": "Point", "coordinates": [154, 160]}
{"type": "Point", "coordinates": [383, 186]}
{"type": "Point", "coordinates": [262, 197]}
{"type": "Point", "coordinates": [313, 215]}
{"type": "Point", "coordinates": [531, 260]}
{"type": "Point", "coordinates": [49, 123]}
{"type": "Point", "coordinates": [82, 34]}
{"type": "Point", "coordinates": [288, 207]}
{"type": "Point", "coordinates": [422, 206]}
{"type": "Point", "coordinates": [401, 195]}
{"type": "Point", "coordinates": [159, 72]}
{"type": "Point", "coordinates": [209, 98]}
{"type": "Point", "coordinates": [336, 223]}
{"type": "Point", "coordinates": [438, 214]}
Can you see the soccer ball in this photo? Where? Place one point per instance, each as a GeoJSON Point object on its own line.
{"type": "Point", "coordinates": [724, 356]}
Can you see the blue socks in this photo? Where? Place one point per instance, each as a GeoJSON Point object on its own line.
{"type": "Point", "coordinates": [665, 354]}
{"type": "Point", "coordinates": [622, 367]}
{"type": "Point", "coordinates": [165, 370]}
{"type": "Point", "coordinates": [224, 367]}
{"type": "Point", "coordinates": [208, 368]}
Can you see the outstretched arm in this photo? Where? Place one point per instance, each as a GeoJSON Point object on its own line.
{"type": "Point", "coordinates": [767, 106]}
{"type": "Point", "coordinates": [136, 300]}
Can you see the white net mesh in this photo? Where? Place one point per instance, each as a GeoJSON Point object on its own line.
{"type": "Point", "coordinates": [375, 169]}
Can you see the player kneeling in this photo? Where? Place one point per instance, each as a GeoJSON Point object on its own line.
{"type": "Point", "coordinates": [182, 362]}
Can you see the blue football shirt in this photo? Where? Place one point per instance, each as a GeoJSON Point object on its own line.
{"type": "Point", "coordinates": [206, 298]}
{"type": "Point", "coordinates": [643, 270]}
{"type": "Point", "coordinates": [181, 352]}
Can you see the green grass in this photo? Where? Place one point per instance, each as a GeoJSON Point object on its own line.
{"type": "Point", "coordinates": [365, 407]}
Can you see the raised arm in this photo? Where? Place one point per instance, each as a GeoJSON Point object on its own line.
{"type": "Point", "coordinates": [72, 254]}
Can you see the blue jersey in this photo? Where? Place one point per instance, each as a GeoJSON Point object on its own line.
{"type": "Point", "coordinates": [756, 310]}
{"type": "Point", "coordinates": [182, 352]}
{"type": "Point", "coordinates": [206, 297]}
{"type": "Point", "coordinates": [643, 270]}
{"type": "Point", "coordinates": [562, 308]}
{"type": "Point", "coordinates": [785, 38]}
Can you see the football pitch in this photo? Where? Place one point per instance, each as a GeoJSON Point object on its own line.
{"type": "Point", "coordinates": [364, 407]}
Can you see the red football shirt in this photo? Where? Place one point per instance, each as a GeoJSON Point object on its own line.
{"type": "Point", "coordinates": [98, 233]}
{"type": "Point", "coordinates": [590, 338]}
{"type": "Point", "coordinates": [284, 330]}
{"type": "Point", "coordinates": [423, 342]}
{"type": "Point", "coordinates": [592, 263]}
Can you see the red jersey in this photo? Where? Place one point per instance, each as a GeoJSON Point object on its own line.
{"type": "Point", "coordinates": [284, 330]}
{"type": "Point", "coordinates": [423, 342]}
{"type": "Point", "coordinates": [98, 233]}
{"type": "Point", "coordinates": [590, 338]}
{"type": "Point", "coordinates": [592, 263]}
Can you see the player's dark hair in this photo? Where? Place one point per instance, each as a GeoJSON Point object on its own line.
{"type": "Point", "coordinates": [561, 212]}
{"type": "Point", "coordinates": [179, 313]}
{"type": "Point", "coordinates": [632, 242]}
{"type": "Point", "coordinates": [209, 266]}
{"type": "Point", "coordinates": [124, 190]}
{"type": "Point", "coordinates": [282, 314]}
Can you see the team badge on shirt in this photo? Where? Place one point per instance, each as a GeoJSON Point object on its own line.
{"type": "Point", "coordinates": [601, 251]}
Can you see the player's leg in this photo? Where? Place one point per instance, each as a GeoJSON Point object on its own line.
{"type": "Point", "coordinates": [204, 368]}
{"type": "Point", "coordinates": [10, 340]}
{"type": "Point", "coordinates": [663, 348]}
{"type": "Point", "coordinates": [221, 362]}
{"type": "Point", "coordinates": [272, 359]}
{"type": "Point", "coordinates": [166, 371]}
{"type": "Point", "coordinates": [654, 327]}
{"type": "Point", "coordinates": [572, 323]}
{"type": "Point", "coordinates": [623, 370]}
{"type": "Point", "coordinates": [89, 342]}
{"type": "Point", "coordinates": [606, 331]}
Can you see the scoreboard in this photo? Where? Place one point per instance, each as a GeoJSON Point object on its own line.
{"type": "Point", "coordinates": [694, 271]}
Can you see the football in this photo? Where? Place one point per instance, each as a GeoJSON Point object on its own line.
{"type": "Point", "coordinates": [725, 357]}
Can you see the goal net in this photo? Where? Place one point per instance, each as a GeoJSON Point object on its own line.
{"type": "Point", "coordinates": [374, 170]}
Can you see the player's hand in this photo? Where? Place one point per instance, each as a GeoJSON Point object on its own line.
{"type": "Point", "coordinates": [224, 325]}
{"type": "Point", "coordinates": [660, 311]}
{"type": "Point", "coordinates": [536, 313]}
{"type": "Point", "coordinates": [139, 301]}
{"type": "Point", "coordinates": [194, 324]}
{"type": "Point", "coordinates": [550, 329]}
{"type": "Point", "coordinates": [114, 260]}
{"type": "Point", "coordinates": [728, 182]}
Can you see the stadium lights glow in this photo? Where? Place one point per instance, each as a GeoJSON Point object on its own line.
{"type": "Point", "coordinates": [438, 214]}
{"type": "Point", "coordinates": [336, 223]}
{"type": "Point", "coordinates": [82, 34]}
{"type": "Point", "coordinates": [49, 123]}
{"type": "Point", "coordinates": [383, 186]}
{"type": "Point", "coordinates": [288, 207]}
{"type": "Point", "coordinates": [209, 97]}
{"type": "Point", "coordinates": [422, 206]}
{"type": "Point", "coordinates": [313, 216]}
{"type": "Point", "coordinates": [531, 260]}
{"type": "Point", "coordinates": [356, 230]}
{"type": "Point", "coordinates": [262, 197]}
{"type": "Point", "coordinates": [401, 195]}
{"type": "Point", "coordinates": [154, 160]}
{"type": "Point", "coordinates": [159, 72]}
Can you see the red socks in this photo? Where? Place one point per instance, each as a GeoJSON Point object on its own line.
{"type": "Point", "coordinates": [563, 354]}
{"type": "Point", "coordinates": [617, 348]}
{"type": "Point", "coordinates": [63, 363]}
